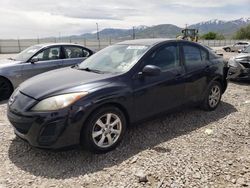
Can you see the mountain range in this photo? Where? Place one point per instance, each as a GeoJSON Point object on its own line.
{"type": "Point", "coordinates": [227, 28]}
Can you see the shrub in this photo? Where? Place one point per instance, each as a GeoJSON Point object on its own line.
{"type": "Point", "coordinates": [243, 33]}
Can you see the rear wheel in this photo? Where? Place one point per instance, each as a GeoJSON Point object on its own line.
{"type": "Point", "coordinates": [5, 89]}
{"type": "Point", "coordinates": [104, 130]}
{"type": "Point", "coordinates": [228, 50]}
{"type": "Point", "coordinates": [212, 97]}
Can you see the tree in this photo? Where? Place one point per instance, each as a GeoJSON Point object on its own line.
{"type": "Point", "coordinates": [243, 33]}
{"type": "Point", "coordinates": [209, 36]}
{"type": "Point", "coordinates": [213, 36]}
{"type": "Point", "coordinates": [220, 37]}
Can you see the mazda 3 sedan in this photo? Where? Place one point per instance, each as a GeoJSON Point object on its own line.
{"type": "Point", "coordinates": [92, 104]}
{"type": "Point", "coordinates": [38, 59]}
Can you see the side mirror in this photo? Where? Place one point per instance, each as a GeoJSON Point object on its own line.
{"type": "Point", "coordinates": [151, 70]}
{"type": "Point", "coordinates": [34, 60]}
{"type": "Point", "coordinates": [240, 51]}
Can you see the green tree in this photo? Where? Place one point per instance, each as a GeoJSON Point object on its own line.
{"type": "Point", "coordinates": [243, 33]}
{"type": "Point", "coordinates": [213, 36]}
{"type": "Point", "coordinates": [209, 36]}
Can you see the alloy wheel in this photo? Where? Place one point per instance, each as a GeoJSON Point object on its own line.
{"type": "Point", "coordinates": [214, 96]}
{"type": "Point", "coordinates": [107, 130]}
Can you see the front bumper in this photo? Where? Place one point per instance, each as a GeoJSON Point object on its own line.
{"type": "Point", "coordinates": [50, 130]}
{"type": "Point", "coordinates": [240, 72]}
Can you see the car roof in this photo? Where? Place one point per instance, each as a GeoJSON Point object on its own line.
{"type": "Point", "coordinates": [244, 42]}
{"type": "Point", "coordinates": [57, 44]}
{"type": "Point", "coordinates": [146, 42]}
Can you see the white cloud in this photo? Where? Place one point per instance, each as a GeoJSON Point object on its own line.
{"type": "Point", "coordinates": [32, 18]}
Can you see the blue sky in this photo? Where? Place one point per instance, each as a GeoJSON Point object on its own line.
{"type": "Point", "coordinates": [32, 18]}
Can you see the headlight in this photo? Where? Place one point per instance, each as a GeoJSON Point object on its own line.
{"type": "Point", "coordinates": [58, 102]}
{"type": "Point", "coordinates": [233, 63]}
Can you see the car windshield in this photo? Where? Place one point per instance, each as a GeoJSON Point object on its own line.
{"type": "Point", "coordinates": [114, 59]}
{"type": "Point", "coordinates": [27, 53]}
{"type": "Point", "coordinates": [247, 50]}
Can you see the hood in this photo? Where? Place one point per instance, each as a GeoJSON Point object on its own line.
{"type": "Point", "coordinates": [61, 81]}
{"type": "Point", "coordinates": [8, 62]}
{"type": "Point", "coordinates": [243, 56]}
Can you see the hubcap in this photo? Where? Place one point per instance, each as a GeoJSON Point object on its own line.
{"type": "Point", "coordinates": [214, 96]}
{"type": "Point", "coordinates": [107, 130]}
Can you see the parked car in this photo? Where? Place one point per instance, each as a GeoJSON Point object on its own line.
{"type": "Point", "coordinates": [93, 103]}
{"type": "Point", "coordinates": [38, 59]}
{"type": "Point", "coordinates": [239, 66]}
{"type": "Point", "coordinates": [236, 47]}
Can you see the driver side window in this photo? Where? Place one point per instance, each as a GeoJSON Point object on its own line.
{"type": "Point", "coordinates": [166, 57]}
{"type": "Point", "coordinates": [49, 54]}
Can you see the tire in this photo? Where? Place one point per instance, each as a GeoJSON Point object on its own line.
{"type": "Point", "coordinates": [98, 134]}
{"type": "Point", "coordinates": [228, 50]}
{"type": "Point", "coordinates": [212, 97]}
{"type": "Point", "coordinates": [6, 89]}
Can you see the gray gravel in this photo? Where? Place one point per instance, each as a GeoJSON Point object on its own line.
{"type": "Point", "coordinates": [188, 148]}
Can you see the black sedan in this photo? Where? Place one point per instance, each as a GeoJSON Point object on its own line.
{"type": "Point", "coordinates": [239, 66]}
{"type": "Point", "coordinates": [93, 103]}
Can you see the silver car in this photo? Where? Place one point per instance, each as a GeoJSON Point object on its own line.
{"type": "Point", "coordinates": [239, 66]}
{"type": "Point", "coordinates": [38, 59]}
{"type": "Point", "coordinates": [237, 46]}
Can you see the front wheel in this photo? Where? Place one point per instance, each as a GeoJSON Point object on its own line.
{"type": "Point", "coordinates": [228, 50]}
{"type": "Point", "coordinates": [104, 130]}
{"type": "Point", "coordinates": [212, 97]}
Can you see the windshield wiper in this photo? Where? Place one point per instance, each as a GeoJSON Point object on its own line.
{"type": "Point", "coordinates": [91, 70]}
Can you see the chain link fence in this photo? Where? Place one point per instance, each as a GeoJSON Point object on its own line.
{"type": "Point", "coordinates": [16, 46]}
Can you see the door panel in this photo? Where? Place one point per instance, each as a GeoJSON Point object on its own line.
{"type": "Point", "coordinates": [153, 95]}
{"type": "Point", "coordinates": [29, 70]}
{"type": "Point", "coordinates": [70, 62]}
{"type": "Point", "coordinates": [197, 69]}
{"type": "Point", "coordinates": [156, 94]}
{"type": "Point", "coordinates": [48, 59]}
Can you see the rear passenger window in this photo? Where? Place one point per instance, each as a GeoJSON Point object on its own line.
{"type": "Point", "coordinates": [75, 52]}
{"type": "Point", "coordinates": [166, 58]}
{"type": "Point", "coordinates": [192, 55]}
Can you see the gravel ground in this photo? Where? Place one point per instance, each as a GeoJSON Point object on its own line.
{"type": "Point", "coordinates": [188, 148]}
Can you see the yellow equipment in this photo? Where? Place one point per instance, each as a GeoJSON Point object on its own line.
{"type": "Point", "coordinates": [189, 34]}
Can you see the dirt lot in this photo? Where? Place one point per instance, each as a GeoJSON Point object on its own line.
{"type": "Point", "coordinates": [189, 148]}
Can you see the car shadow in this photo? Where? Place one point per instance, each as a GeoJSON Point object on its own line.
{"type": "Point", "coordinates": [241, 82]}
{"type": "Point", "coordinates": [148, 135]}
{"type": "Point", "coordinates": [3, 102]}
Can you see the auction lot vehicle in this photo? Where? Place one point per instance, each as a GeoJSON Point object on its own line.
{"type": "Point", "coordinates": [38, 59]}
{"type": "Point", "coordinates": [236, 47]}
{"type": "Point", "coordinates": [239, 66]}
{"type": "Point", "coordinates": [93, 103]}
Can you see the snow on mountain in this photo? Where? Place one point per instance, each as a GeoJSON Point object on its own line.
{"type": "Point", "coordinates": [221, 26]}
{"type": "Point", "coordinates": [242, 21]}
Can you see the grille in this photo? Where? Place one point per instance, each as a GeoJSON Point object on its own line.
{"type": "Point", "coordinates": [246, 65]}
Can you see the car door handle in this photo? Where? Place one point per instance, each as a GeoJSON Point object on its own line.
{"type": "Point", "coordinates": [207, 68]}
{"type": "Point", "coordinates": [178, 76]}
